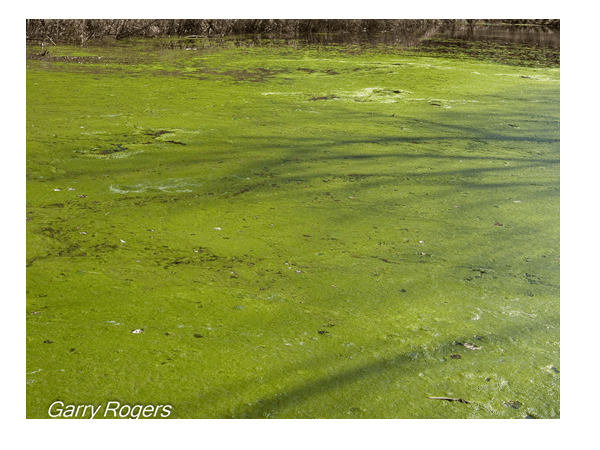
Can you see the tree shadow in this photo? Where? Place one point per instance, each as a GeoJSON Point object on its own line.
{"type": "Point", "coordinates": [402, 364]}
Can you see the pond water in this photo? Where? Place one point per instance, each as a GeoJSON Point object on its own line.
{"type": "Point", "coordinates": [296, 228]}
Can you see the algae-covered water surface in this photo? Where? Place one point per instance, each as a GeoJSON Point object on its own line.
{"type": "Point", "coordinates": [253, 228]}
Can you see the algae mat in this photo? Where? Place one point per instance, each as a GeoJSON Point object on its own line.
{"type": "Point", "coordinates": [291, 231]}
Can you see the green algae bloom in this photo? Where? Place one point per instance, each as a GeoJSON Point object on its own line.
{"type": "Point", "coordinates": [288, 230]}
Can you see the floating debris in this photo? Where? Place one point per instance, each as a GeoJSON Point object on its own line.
{"type": "Point", "coordinates": [498, 224]}
{"type": "Point", "coordinates": [322, 331]}
{"type": "Point", "coordinates": [196, 335]}
{"type": "Point", "coordinates": [70, 189]}
{"type": "Point", "coordinates": [48, 341]}
{"type": "Point", "coordinates": [122, 241]}
{"type": "Point", "coordinates": [455, 356]}
{"type": "Point", "coordinates": [137, 331]}
{"type": "Point", "coordinates": [514, 405]}
{"type": "Point", "coordinates": [471, 346]}
{"type": "Point", "coordinates": [81, 196]}
{"type": "Point", "coordinates": [450, 399]}
{"type": "Point", "coordinates": [217, 228]}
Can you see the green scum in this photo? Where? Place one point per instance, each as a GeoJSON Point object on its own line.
{"type": "Point", "coordinates": [292, 231]}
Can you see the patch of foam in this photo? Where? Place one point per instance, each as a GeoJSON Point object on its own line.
{"type": "Point", "coordinates": [282, 93]}
{"type": "Point", "coordinates": [375, 94]}
{"type": "Point", "coordinates": [123, 154]}
{"type": "Point", "coordinates": [173, 185]}
{"type": "Point", "coordinates": [520, 75]}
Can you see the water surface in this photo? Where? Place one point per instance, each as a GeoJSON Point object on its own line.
{"type": "Point", "coordinates": [299, 229]}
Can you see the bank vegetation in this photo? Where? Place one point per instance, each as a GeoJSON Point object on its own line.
{"type": "Point", "coordinates": [80, 31]}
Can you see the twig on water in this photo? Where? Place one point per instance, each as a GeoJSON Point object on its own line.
{"type": "Point", "coordinates": [450, 399]}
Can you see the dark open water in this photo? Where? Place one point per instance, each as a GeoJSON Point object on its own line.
{"type": "Point", "coordinates": [533, 46]}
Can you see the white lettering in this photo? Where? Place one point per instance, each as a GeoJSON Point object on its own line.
{"type": "Point", "coordinates": [70, 409]}
{"type": "Point", "coordinates": [166, 409]}
{"type": "Point", "coordinates": [136, 415]}
{"type": "Point", "coordinates": [95, 412]}
{"type": "Point", "coordinates": [121, 410]}
{"type": "Point", "coordinates": [148, 409]}
{"type": "Point", "coordinates": [114, 410]}
{"type": "Point", "coordinates": [59, 410]}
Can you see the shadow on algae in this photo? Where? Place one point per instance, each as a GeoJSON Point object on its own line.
{"type": "Point", "coordinates": [291, 231]}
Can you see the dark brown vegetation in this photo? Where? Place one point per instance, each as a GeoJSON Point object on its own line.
{"type": "Point", "coordinates": [80, 31]}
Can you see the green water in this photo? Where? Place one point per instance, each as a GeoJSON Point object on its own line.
{"type": "Point", "coordinates": [301, 231]}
